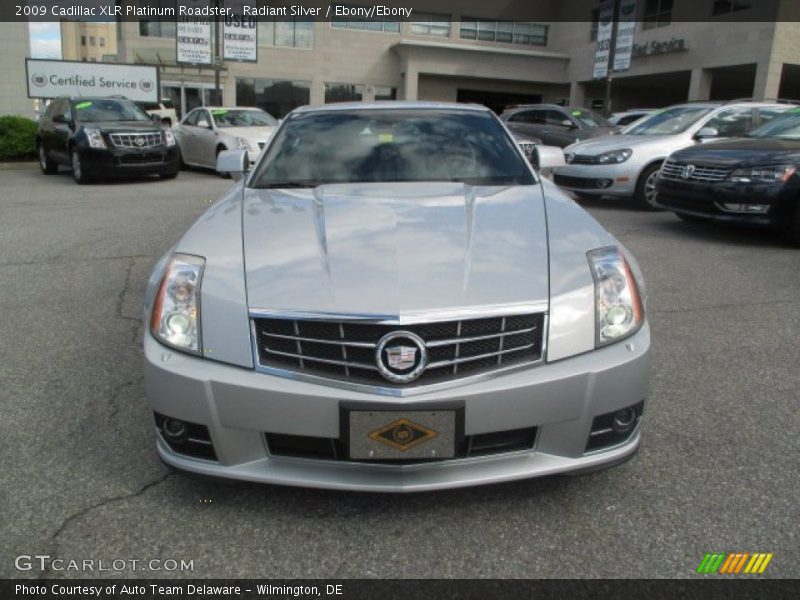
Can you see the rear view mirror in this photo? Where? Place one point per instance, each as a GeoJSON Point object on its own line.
{"type": "Point", "coordinates": [707, 132]}
{"type": "Point", "coordinates": [235, 162]}
{"type": "Point", "coordinates": [549, 157]}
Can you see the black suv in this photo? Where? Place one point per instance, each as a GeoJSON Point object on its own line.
{"type": "Point", "coordinates": [556, 125]}
{"type": "Point", "coordinates": [104, 136]}
{"type": "Point", "coordinates": [753, 180]}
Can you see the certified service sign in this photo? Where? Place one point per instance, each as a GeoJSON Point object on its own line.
{"type": "Point", "coordinates": [53, 78]}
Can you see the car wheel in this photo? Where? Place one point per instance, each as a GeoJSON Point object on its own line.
{"type": "Point", "coordinates": [47, 166]}
{"type": "Point", "coordinates": [645, 193]}
{"type": "Point", "coordinates": [78, 168]}
{"type": "Point", "coordinates": [691, 218]}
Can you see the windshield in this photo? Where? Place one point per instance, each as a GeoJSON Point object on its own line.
{"type": "Point", "coordinates": [358, 146]}
{"type": "Point", "coordinates": [786, 127]}
{"type": "Point", "coordinates": [588, 118]}
{"type": "Point", "coordinates": [668, 121]}
{"type": "Point", "coordinates": [90, 111]}
{"type": "Point", "coordinates": [242, 118]}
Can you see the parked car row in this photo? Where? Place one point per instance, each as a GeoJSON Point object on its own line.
{"type": "Point", "coordinates": [725, 161]}
{"type": "Point", "coordinates": [114, 136]}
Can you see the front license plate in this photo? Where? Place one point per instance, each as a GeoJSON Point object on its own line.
{"type": "Point", "coordinates": [402, 435]}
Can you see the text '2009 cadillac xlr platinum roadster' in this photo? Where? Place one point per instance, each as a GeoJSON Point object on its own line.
{"type": "Point", "coordinates": [394, 300]}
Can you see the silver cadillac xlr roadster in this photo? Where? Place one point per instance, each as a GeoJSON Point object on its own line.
{"type": "Point", "coordinates": [394, 299]}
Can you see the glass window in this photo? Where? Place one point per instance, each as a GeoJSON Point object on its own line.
{"type": "Point", "coordinates": [786, 127]}
{"type": "Point", "coordinates": [83, 40]}
{"type": "Point", "coordinates": [107, 109]}
{"type": "Point", "coordinates": [531, 117]}
{"type": "Point", "coordinates": [191, 118]}
{"type": "Point", "coordinates": [277, 97]}
{"type": "Point", "coordinates": [657, 13]}
{"type": "Point", "coordinates": [288, 34]}
{"type": "Point", "coordinates": [503, 32]}
{"type": "Point", "coordinates": [227, 117]}
{"type": "Point", "coordinates": [102, 41]}
{"type": "Point", "coordinates": [360, 25]}
{"type": "Point", "coordinates": [723, 7]}
{"type": "Point", "coordinates": [668, 121]}
{"type": "Point", "coordinates": [157, 28]}
{"type": "Point", "coordinates": [359, 146]}
{"type": "Point", "coordinates": [343, 92]}
{"type": "Point", "coordinates": [385, 93]}
{"type": "Point", "coordinates": [732, 122]}
{"type": "Point", "coordinates": [430, 24]}
{"type": "Point", "coordinates": [92, 41]}
{"type": "Point", "coordinates": [586, 117]}
{"type": "Point", "coordinates": [767, 114]}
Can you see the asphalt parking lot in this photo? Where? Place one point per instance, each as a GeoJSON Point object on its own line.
{"type": "Point", "coordinates": [80, 477]}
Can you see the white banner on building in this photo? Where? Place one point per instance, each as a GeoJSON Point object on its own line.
{"type": "Point", "coordinates": [240, 33]}
{"type": "Point", "coordinates": [193, 37]}
{"type": "Point", "coordinates": [604, 28]}
{"type": "Point", "coordinates": [53, 78]}
{"type": "Point", "coordinates": [626, 27]}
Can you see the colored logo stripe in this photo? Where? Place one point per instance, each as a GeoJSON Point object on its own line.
{"type": "Point", "coordinates": [733, 563]}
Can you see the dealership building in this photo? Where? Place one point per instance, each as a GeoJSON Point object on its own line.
{"type": "Point", "coordinates": [485, 52]}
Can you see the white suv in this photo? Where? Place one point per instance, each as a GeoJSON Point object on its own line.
{"type": "Point", "coordinates": [163, 108]}
{"type": "Point", "coordinates": [626, 165]}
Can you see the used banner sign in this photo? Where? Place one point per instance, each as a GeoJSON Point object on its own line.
{"type": "Point", "coordinates": [604, 29]}
{"type": "Point", "coordinates": [240, 33]}
{"type": "Point", "coordinates": [625, 30]}
{"type": "Point", "coordinates": [193, 38]}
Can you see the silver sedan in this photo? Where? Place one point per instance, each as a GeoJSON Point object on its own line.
{"type": "Point", "coordinates": [206, 131]}
{"type": "Point", "coordinates": [394, 300]}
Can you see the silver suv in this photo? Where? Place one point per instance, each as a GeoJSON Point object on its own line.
{"type": "Point", "coordinates": [626, 165]}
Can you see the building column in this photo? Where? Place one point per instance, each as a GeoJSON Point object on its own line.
{"type": "Point", "coordinates": [577, 93]}
{"type": "Point", "coordinates": [700, 85]}
{"type": "Point", "coordinates": [768, 81]}
{"type": "Point", "coordinates": [410, 83]}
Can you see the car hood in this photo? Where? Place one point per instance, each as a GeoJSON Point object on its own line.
{"type": "Point", "coordinates": [251, 134]}
{"type": "Point", "coordinates": [394, 249]}
{"type": "Point", "coordinates": [608, 143]}
{"type": "Point", "coordinates": [741, 151]}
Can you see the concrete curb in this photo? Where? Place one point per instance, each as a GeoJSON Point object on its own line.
{"type": "Point", "coordinates": [15, 166]}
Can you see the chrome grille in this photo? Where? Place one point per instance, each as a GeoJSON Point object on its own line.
{"type": "Point", "coordinates": [706, 173]}
{"type": "Point", "coordinates": [345, 350]}
{"type": "Point", "coordinates": [146, 139]}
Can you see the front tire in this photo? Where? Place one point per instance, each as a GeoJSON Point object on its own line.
{"type": "Point", "coordinates": [48, 166]}
{"type": "Point", "coordinates": [793, 233]}
{"type": "Point", "coordinates": [78, 168]}
{"type": "Point", "coordinates": [645, 194]}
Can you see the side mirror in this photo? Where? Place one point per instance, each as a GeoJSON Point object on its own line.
{"type": "Point", "coordinates": [706, 132]}
{"type": "Point", "coordinates": [235, 162]}
{"type": "Point", "coordinates": [549, 157]}
{"type": "Point", "coordinates": [155, 118]}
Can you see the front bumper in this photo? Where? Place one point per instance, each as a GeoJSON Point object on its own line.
{"type": "Point", "coordinates": [130, 161]}
{"type": "Point", "coordinates": [708, 200]}
{"type": "Point", "coordinates": [600, 180]}
{"type": "Point", "coordinates": [240, 405]}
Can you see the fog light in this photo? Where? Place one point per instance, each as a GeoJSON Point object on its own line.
{"type": "Point", "coordinates": [604, 183]}
{"type": "Point", "coordinates": [746, 208]}
{"type": "Point", "coordinates": [624, 420]}
{"type": "Point", "coordinates": [174, 429]}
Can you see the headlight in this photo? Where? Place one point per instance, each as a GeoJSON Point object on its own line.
{"type": "Point", "coordinates": [169, 137]}
{"type": "Point", "coordinates": [614, 157]}
{"type": "Point", "coordinates": [244, 144]}
{"type": "Point", "coordinates": [94, 137]}
{"type": "Point", "coordinates": [175, 320]}
{"type": "Point", "coordinates": [618, 307]}
{"type": "Point", "coordinates": [766, 174]}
